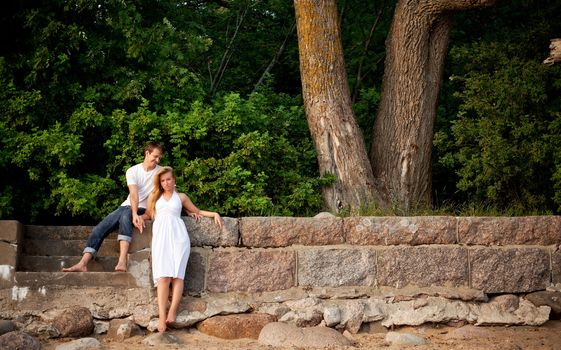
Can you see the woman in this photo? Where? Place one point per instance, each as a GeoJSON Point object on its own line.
{"type": "Point", "coordinates": [170, 242]}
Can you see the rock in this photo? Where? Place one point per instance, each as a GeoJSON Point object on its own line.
{"type": "Point", "coordinates": [352, 314]}
{"type": "Point", "coordinates": [396, 338]}
{"type": "Point", "coordinates": [546, 298]}
{"type": "Point", "coordinates": [525, 314]}
{"type": "Point", "coordinates": [324, 214]}
{"type": "Point", "coordinates": [235, 326]}
{"type": "Point", "coordinates": [437, 310]}
{"type": "Point", "coordinates": [152, 325]}
{"type": "Point", "coordinates": [41, 328]}
{"type": "Point", "coordinates": [287, 335]}
{"type": "Point", "coordinates": [18, 340]}
{"type": "Point", "coordinates": [506, 302]}
{"type": "Point", "coordinates": [275, 309]}
{"type": "Point", "coordinates": [307, 312]}
{"type": "Point", "coordinates": [441, 310]}
{"type": "Point", "coordinates": [331, 315]}
{"type": "Point", "coordinates": [100, 327]}
{"type": "Point", "coordinates": [80, 344]}
{"type": "Point", "coordinates": [74, 322]}
{"type": "Point", "coordinates": [186, 319]}
{"type": "Point", "coordinates": [350, 337]}
{"type": "Point", "coordinates": [158, 339]}
{"type": "Point", "coordinates": [120, 329]}
{"type": "Point", "coordinates": [303, 318]}
{"type": "Point", "coordinates": [6, 326]}
{"type": "Point", "coordinates": [224, 306]}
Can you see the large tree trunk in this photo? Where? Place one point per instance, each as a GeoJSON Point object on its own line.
{"type": "Point", "coordinates": [336, 135]}
{"type": "Point", "coordinates": [402, 136]}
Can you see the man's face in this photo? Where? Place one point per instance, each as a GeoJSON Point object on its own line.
{"type": "Point", "coordinates": [153, 157]}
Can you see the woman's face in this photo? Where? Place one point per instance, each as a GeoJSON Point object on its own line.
{"type": "Point", "coordinates": [167, 181]}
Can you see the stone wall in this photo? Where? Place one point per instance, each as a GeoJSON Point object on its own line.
{"type": "Point", "coordinates": [341, 272]}
{"type": "Point", "coordinates": [261, 254]}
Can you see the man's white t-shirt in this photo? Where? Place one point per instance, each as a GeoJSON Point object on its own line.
{"type": "Point", "coordinates": [144, 181]}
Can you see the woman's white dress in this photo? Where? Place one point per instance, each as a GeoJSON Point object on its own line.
{"type": "Point", "coordinates": [170, 241]}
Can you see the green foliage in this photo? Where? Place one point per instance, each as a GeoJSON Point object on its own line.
{"type": "Point", "coordinates": [503, 145]}
{"type": "Point", "coordinates": [87, 83]}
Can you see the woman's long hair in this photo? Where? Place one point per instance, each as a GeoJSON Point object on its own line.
{"type": "Point", "coordinates": [158, 189]}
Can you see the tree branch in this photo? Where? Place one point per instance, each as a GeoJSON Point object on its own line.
{"type": "Point", "coordinates": [275, 57]}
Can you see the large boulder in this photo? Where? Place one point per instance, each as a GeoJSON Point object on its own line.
{"type": "Point", "coordinates": [235, 326]}
{"type": "Point", "coordinates": [76, 321]}
{"type": "Point", "coordinates": [18, 340]}
{"type": "Point", "coordinates": [286, 335]}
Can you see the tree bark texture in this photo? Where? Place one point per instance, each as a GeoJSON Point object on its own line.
{"type": "Point", "coordinates": [554, 53]}
{"type": "Point", "coordinates": [403, 131]}
{"type": "Point", "coordinates": [337, 138]}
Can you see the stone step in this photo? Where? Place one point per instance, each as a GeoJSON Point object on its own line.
{"type": "Point", "coordinates": [58, 232]}
{"type": "Point", "coordinates": [81, 279]}
{"type": "Point", "coordinates": [44, 247]}
{"type": "Point", "coordinates": [55, 263]}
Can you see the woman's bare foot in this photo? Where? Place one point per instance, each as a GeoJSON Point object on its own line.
{"type": "Point", "coordinates": [76, 268]}
{"type": "Point", "coordinates": [162, 326]}
{"type": "Point", "coordinates": [121, 266]}
{"type": "Point", "coordinates": [171, 317]}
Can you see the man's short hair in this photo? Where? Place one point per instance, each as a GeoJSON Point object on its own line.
{"type": "Point", "coordinates": [151, 145]}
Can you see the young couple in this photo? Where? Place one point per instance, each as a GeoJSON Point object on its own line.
{"type": "Point", "coordinates": [152, 195]}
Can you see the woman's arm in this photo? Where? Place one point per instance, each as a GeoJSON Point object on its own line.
{"type": "Point", "coordinates": [197, 213]}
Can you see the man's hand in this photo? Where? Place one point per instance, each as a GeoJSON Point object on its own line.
{"type": "Point", "coordinates": [138, 222]}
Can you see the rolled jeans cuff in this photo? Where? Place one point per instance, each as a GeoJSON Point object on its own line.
{"type": "Point", "coordinates": [90, 250]}
{"type": "Point", "coordinates": [124, 238]}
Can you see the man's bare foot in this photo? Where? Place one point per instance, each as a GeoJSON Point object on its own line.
{"type": "Point", "coordinates": [121, 266]}
{"type": "Point", "coordinates": [76, 268]}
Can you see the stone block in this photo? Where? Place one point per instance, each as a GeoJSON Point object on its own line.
{"type": "Point", "coordinates": [140, 241]}
{"type": "Point", "coordinates": [285, 231]}
{"type": "Point", "coordinates": [11, 231]}
{"type": "Point", "coordinates": [509, 270]}
{"type": "Point", "coordinates": [251, 270]}
{"type": "Point", "coordinates": [423, 266]}
{"type": "Point", "coordinates": [207, 233]}
{"type": "Point", "coordinates": [556, 265]}
{"type": "Point", "coordinates": [7, 273]}
{"type": "Point", "coordinates": [335, 267]}
{"type": "Point", "coordinates": [140, 267]}
{"type": "Point", "coordinates": [534, 230]}
{"type": "Point", "coordinates": [8, 253]}
{"type": "Point", "coordinates": [396, 230]}
{"type": "Point", "coordinates": [58, 232]}
{"type": "Point", "coordinates": [196, 267]}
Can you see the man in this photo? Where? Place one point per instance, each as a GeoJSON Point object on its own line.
{"type": "Point", "coordinates": [140, 183]}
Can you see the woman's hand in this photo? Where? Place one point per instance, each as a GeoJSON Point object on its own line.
{"type": "Point", "coordinates": [196, 216]}
{"type": "Point", "coordinates": [218, 220]}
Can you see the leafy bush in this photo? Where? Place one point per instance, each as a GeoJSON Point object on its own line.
{"type": "Point", "coordinates": [504, 143]}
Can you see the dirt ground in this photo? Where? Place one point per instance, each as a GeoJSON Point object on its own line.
{"type": "Point", "coordinates": [545, 337]}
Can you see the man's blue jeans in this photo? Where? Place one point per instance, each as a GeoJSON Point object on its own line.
{"type": "Point", "coordinates": [120, 218]}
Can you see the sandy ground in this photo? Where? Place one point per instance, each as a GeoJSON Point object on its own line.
{"type": "Point", "coordinates": [545, 337]}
